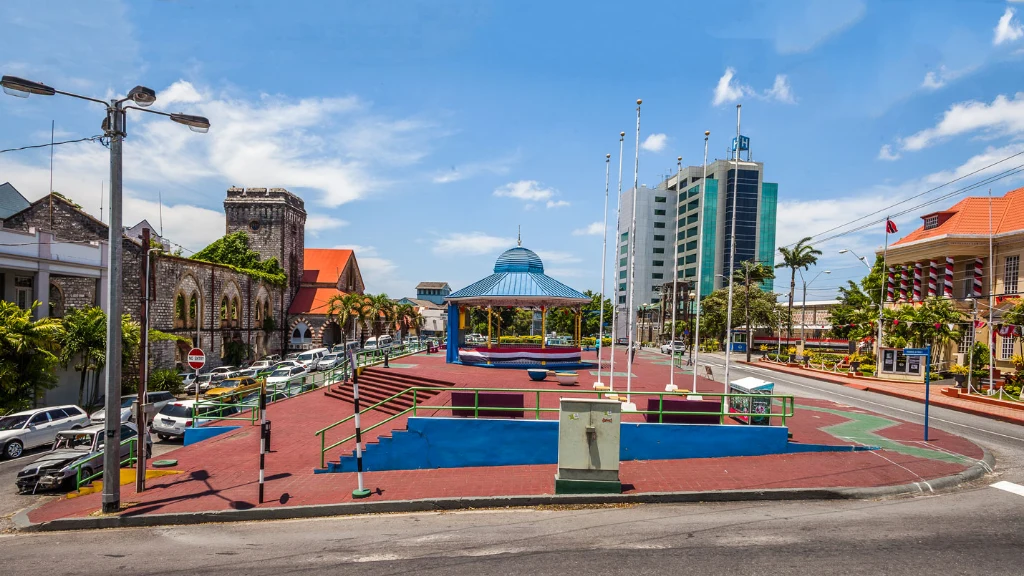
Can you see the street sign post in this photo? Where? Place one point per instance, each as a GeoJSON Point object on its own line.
{"type": "Point", "coordinates": [927, 353]}
{"type": "Point", "coordinates": [196, 360]}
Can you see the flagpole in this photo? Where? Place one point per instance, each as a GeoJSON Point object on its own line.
{"type": "Point", "coordinates": [604, 265]}
{"type": "Point", "coordinates": [881, 305]}
{"type": "Point", "coordinates": [700, 254]}
{"type": "Point", "coordinates": [615, 305]}
{"type": "Point", "coordinates": [991, 291]}
{"type": "Point", "coordinates": [675, 280]}
{"type": "Point", "coordinates": [632, 266]}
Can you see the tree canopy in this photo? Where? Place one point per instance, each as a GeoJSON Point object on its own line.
{"type": "Point", "coordinates": [233, 250]}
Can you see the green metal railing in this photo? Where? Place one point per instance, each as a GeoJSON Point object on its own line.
{"type": "Point", "coordinates": [786, 404]}
{"type": "Point", "coordinates": [130, 461]}
{"type": "Point", "coordinates": [376, 355]}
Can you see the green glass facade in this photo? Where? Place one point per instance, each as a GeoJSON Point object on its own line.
{"type": "Point", "coordinates": [709, 220]}
{"type": "Point", "coordinates": [766, 228]}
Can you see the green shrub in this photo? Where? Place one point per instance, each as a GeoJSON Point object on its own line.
{"type": "Point", "coordinates": [165, 379]}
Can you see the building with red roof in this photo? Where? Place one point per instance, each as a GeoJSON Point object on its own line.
{"type": "Point", "coordinates": [327, 272]}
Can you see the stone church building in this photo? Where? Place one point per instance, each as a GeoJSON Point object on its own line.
{"type": "Point", "coordinates": [213, 305]}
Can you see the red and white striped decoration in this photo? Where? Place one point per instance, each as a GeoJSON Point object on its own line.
{"type": "Point", "coordinates": [947, 283]}
{"type": "Point", "coordinates": [933, 278]}
{"type": "Point", "coordinates": [904, 278]}
{"type": "Point", "coordinates": [917, 281]}
{"type": "Point", "coordinates": [890, 285]}
{"type": "Point", "coordinates": [977, 277]}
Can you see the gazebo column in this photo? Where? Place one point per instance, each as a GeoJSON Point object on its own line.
{"type": "Point", "coordinates": [543, 331]}
{"type": "Point", "coordinates": [488, 327]}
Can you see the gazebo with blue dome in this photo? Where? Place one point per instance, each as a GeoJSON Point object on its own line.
{"type": "Point", "coordinates": [518, 281]}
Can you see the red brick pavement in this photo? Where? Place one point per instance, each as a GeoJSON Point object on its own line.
{"type": "Point", "coordinates": [221, 473]}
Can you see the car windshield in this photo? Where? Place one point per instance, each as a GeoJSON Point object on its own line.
{"type": "Point", "coordinates": [80, 441]}
{"type": "Point", "coordinates": [305, 357]}
{"type": "Point", "coordinates": [13, 422]}
{"type": "Point", "coordinates": [204, 378]}
{"type": "Point", "coordinates": [230, 383]}
{"type": "Point", "coordinates": [127, 401]}
{"type": "Point", "coordinates": [176, 411]}
{"type": "Point", "coordinates": [329, 357]}
{"type": "Point", "coordinates": [283, 372]}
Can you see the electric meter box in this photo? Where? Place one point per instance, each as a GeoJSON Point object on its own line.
{"type": "Point", "coordinates": [588, 446]}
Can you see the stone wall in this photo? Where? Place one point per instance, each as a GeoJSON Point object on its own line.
{"type": "Point", "coordinates": [75, 292]}
{"type": "Point", "coordinates": [69, 222]}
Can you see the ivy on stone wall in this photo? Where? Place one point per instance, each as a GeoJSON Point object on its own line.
{"type": "Point", "coordinates": [233, 251]}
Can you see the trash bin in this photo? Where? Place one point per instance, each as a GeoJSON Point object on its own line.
{"type": "Point", "coordinates": [751, 385]}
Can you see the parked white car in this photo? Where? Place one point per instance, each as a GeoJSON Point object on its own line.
{"type": "Point", "coordinates": [329, 361]}
{"type": "Point", "coordinates": [309, 358]}
{"type": "Point", "coordinates": [203, 382]}
{"type": "Point", "coordinates": [281, 377]}
{"type": "Point", "coordinates": [38, 427]}
{"type": "Point", "coordinates": [99, 416]}
{"type": "Point", "coordinates": [174, 418]}
{"type": "Point", "coordinates": [673, 347]}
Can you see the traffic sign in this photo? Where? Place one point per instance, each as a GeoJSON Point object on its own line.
{"type": "Point", "coordinates": [915, 351]}
{"type": "Point", "coordinates": [196, 358]}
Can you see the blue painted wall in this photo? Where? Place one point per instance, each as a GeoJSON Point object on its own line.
{"type": "Point", "coordinates": [194, 435]}
{"type": "Point", "coordinates": [462, 442]}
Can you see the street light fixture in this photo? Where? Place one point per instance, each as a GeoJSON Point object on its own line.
{"type": "Point", "coordinates": [114, 129]}
{"type": "Point", "coordinates": [863, 259]}
{"type": "Point", "coordinates": [803, 308]}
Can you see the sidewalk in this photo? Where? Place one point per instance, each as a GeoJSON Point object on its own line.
{"type": "Point", "coordinates": [905, 390]}
{"type": "Point", "coordinates": [221, 474]}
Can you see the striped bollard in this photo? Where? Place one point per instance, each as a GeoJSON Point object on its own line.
{"type": "Point", "coordinates": [359, 492]}
{"type": "Point", "coordinates": [263, 437]}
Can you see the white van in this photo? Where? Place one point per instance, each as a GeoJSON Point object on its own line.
{"type": "Point", "coordinates": [377, 343]}
{"type": "Point", "coordinates": [309, 358]}
{"type": "Point", "coordinates": [343, 351]}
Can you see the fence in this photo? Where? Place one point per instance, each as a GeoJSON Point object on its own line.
{"type": "Point", "coordinates": [538, 410]}
{"type": "Point", "coordinates": [130, 461]}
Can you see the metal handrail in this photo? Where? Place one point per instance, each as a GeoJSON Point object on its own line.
{"type": "Point", "coordinates": [724, 411]}
{"type": "Point", "coordinates": [131, 461]}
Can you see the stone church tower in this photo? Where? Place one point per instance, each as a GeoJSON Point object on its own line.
{"type": "Point", "coordinates": [275, 221]}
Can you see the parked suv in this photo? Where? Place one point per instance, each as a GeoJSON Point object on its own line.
{"type": "Point", "coordinates": [38, 427]}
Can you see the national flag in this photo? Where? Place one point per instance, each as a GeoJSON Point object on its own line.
{"type": "Point", "coordinates": [890, 227]}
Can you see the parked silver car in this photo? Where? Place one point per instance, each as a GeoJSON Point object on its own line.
{"type": "Point", "coordinates": [154, 402]}
{"type": "Point", "coordinates": [38, 427]}
{"type": "Point", "coordinates": [73, 450]}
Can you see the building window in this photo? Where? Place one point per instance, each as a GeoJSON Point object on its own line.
{"type": "Point", "coordinates": [625, 236]}
{"type": "Point", "coordinates": [691, 258]}
{"type": "Point", "coordinates": [659, 237]}
{"type": "Point", "coordinates": [692, 205]}
{"type": "Point", "coordinates": [659, 212]}
{"type": "Point", "coordinates": [931, 221]}
{"type": "Point", "coordinates": [659, 198]}
{"type": "Point", "coordinates": [622, 261]}
{"type": "Point", "coordinates": [967, 340]}
{"type": "Point", "coordinates": [1007, 348]}
{"type": "Point", "coordinates": [691, 273]}
{"type": "Point", "coordinates": [622, 274]}
{"type": "Point", "coordinates": [659, 224]}
{"type": "Point", "coordinates": [659, 250]}
{"type": "Point", "coordinates": [658, 263]}
{"type": "Point", "coordinates": [623, 249]}
{"type": "Point", "coordinates": [691, 218]}
{"type": "Point", "coordinates": [1010, 270]}
{"type": "Point", "coordinates": [622, 299]}
{"type": "Point", "coordinates": [657, 276]}
{"type": "Point", "coordinates": [968, 279]}
{"type": "Point", "coordinates": [622, 286]}
{"type": "Point", "coordinates": [655, 300]}
{"type": "Point", "coordinates": [691, 232]}
{"type": "Point", "coordinates": [23, 292]}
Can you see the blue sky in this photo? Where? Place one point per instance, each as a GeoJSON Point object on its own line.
{"type": "Point", "coordinates": [423, 133]}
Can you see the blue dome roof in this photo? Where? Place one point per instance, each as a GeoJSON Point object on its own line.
{"type": "Point", "coordinates": [519, 259]}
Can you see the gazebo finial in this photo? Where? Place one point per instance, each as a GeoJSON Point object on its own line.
{"type": "Point", "coordinates": [519, 235]}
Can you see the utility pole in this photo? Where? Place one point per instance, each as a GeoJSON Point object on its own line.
{"type": "Point", "coordinates": [112, 386]}
{"type": "Point", "coordinates": [140, 404]}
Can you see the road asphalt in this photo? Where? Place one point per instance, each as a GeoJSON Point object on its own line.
{"type": "Point", "coordinates": [975, 529]}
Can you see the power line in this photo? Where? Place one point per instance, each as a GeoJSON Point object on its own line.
{"type": "Point", "coordinates": [48, 145]}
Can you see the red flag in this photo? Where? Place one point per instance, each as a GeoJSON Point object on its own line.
{"type": "Point", "coordinates": [890, 227]}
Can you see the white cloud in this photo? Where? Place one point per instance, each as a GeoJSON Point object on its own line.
{"type": "Point", "coordinates": [1008, 29]}
{"type": "Point", "coordinates": [654, 143]}
{"type": "Point", "coordinates": [727, 90]}
{"type": "Point", "coordinates": [471, 244]}
{"type": "Point", "coordinates": [557, 257]}
{"type": "Point", "coordinates": [190, 226]}
{"type": "Point", "coordinates": [935, 79]}
{"type": "Point", "coordinates": [592, 229]}
{"type": "Point", "coordinates": [319, 223]}
{"type": "Point", "coordinates": [379, 273]}
{"type": "Point", "coordinates": [557, 203]}
{"type": "Point", "coordinates": [1003, 116]}
{"type": "Point", "coordinates": [181, 92]}
{"type": "Point", "coordinates": [468, 170]}
{"type": "Point", "coordinates": [525, 190]}
{"type": "Point", "coordinates": [781, 90]}
{"type": "Point", "coordinates": [886, 153]}
{"type": "Point", "coordinates": [803, 28]}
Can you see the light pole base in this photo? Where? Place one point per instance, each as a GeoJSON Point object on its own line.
{"type": "Point", "coordinates": [598, 384]}
{"type": "Point", "coordinates": [629, 407]}
{"type": "Point", "coordinates": [671, 387]}
{"type": "Point", "coordinates": [361, 493]}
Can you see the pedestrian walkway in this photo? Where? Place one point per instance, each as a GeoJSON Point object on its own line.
{"type": "Point", "coordinates": [221, 473]}
{"type": "Point", "coordinates": [906, 390]}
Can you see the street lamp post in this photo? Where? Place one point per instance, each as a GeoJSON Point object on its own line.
{"type": "Point", "coordinates": [114, 129]}
{"type": "Point", "coordinates": [863, 259]}
{"type": "Point", "coordinates": [803, 308]}
{"type": "Point", "coordinates": [881, 287]}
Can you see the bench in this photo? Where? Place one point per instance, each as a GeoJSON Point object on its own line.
{"type": "Point", "coordinates": [673, 405]}
{"type": "Point", "coordinates": [512, 400]}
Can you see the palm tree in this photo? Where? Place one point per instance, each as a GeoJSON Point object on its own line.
{"type": "Point", "coordinates": [84, 340]}
{"type": "Point", "coordinates": [751, 271]}
{"type": "Point", "coordinates": [801, 255]}
{"type": "Point", "coordinates": [28, 355]}
{"type": "Point", "coordinates": [342, 306]}
{"type": "Point", "coordinates": [381, 311]}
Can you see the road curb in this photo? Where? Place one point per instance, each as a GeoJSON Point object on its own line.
{"type": "Point", "coordinates": [23, 524]}
{"type": "Point", "coordinates": [861, 384]}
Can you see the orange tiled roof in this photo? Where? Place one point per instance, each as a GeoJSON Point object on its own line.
{"type": "Point", "coordinates": [970, 216]}
{"type": "Point", "coordinates": [324, 265]}
{"type": "Point", "coordinates": [311, 300]}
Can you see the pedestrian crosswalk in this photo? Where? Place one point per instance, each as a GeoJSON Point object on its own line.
{"type": "Point", "coordinates": [1010, 487]}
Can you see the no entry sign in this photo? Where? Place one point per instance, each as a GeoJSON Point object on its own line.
{"type": "Point", "coordinates": [196, 358]}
